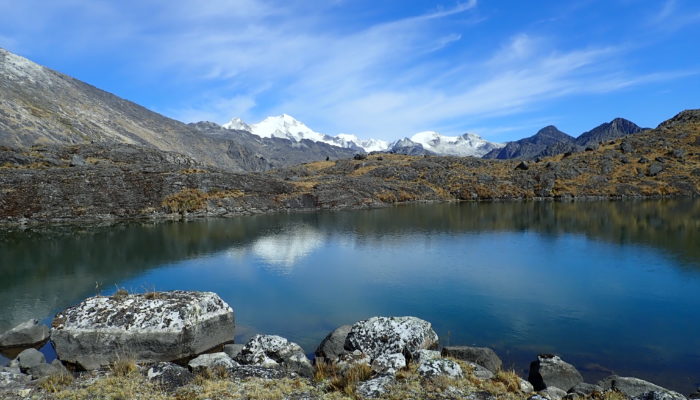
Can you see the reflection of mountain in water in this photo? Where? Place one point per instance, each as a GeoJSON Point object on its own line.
{"type": "Point", "coordinates": [43, 271]}
{"type": "Point", "coordinates": [281, 251]}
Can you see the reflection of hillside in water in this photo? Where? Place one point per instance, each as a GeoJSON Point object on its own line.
{"type": "Point", "coordinates": [42, 271]}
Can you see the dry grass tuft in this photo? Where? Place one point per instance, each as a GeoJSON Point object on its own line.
{"type": "Point", "coordinates": [509, 379]}
{"type": "Point", "coordinates": [120, 294]}
{"type": "Point", "coordinates": [124, 367]}
{"type": "Point", "coordinates": [187, 200]}
{"type": "Point", "coordinates": [56, 382]}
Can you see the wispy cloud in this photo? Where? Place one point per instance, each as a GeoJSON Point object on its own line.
{"type": "Point", "coordinates": [391, 77]}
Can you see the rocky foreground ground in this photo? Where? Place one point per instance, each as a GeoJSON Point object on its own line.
{"type": "Point", "coordinates": [93, 182]}
{"type": "Point", "coordinates": [151, 346]}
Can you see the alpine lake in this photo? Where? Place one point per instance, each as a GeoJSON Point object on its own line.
{"type": "Point", "coordinates": [611, 286]}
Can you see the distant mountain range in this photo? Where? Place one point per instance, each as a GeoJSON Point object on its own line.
{"type": "Point", "coordinates": [423, 143]}
{"type": "Point", "coordinates": [550, 141]}
{"type": "Point", "coordinates": [39, 106]}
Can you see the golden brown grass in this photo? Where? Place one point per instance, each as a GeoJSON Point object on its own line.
{"type": "Point", "coordinates": [187, 200]}
{"type": "Point", "coordinates": [56, 382]}
{"type": "Point", "coordinates": [124, 367]}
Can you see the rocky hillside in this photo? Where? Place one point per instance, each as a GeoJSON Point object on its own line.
{"type": "Point", "coordinates": [612, 130]}
{"type": "Point", "coordinates": [39, 106]}
{"type": "Point", "coordinates": [88, 182]}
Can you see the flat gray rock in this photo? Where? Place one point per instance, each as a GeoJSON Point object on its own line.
{"type": "Point", "coordinates": [27, 334]}
{"type": "Point", "coordinates": [480, 355]}
{"type": "Point", "coordinates": [153, 327]}
{"type": "Point", "coordinates": [631, 386]}
{"type": "Point", "coordinates": [585, 389]}
{"type": "Point", "coordinates": [389, 335]}
{"type": "Point", "coordinates": [333, 345]}
{"type": "Point", "coordinates": [549, 370]}
{"type": "Point", "coordinates": [659, 395]}
{"type": "Point", "coordinates": [553, 393]}
{"type": "Point", "coordinates": [11, 379]}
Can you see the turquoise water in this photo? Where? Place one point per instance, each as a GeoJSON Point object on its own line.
{"type": "Point", "coordinates": [610, 286]}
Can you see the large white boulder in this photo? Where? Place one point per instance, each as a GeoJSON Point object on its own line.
{"type": "Point", "coordinates": [389, 335]}
{"type": "Point", "coordinates": [152, 327]}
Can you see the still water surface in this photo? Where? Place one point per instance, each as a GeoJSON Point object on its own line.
{"type": "Point", "coordinates": [611, 286]}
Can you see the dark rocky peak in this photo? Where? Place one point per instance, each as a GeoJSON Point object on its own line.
{"type": "Point", "coordinates": [612, 130]}
{"type": "Point", "coordinates": [549, 135]}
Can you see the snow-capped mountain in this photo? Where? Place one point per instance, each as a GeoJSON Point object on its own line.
{"type": "Point", "coordinates": [287, 127]}
{"type": "Point", "coordinates": [468, 144]}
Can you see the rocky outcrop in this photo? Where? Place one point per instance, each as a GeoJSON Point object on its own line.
{"type": "Point", "coordinates": [27, 334]}
{"type": "Point", "coordinates": [160, 326]}
{"type": "Point", "coordinates": [388, 335]}
{"type": "Point", "coordinates": [550, 370]}
{"type": "Point", "coordinates": [479, 355]}
{"type": "Point", "coordinates": [375, 387]}
{"type": "Point", "coordinates": [585, 389]}
{"type": "Point", "coordinates": [271, 351]}
{"type": "Point", "coordinates": [333, 345]}
{"type": "Point", "coordinates": [44, 370]}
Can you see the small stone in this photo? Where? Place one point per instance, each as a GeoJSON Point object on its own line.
{"type": "Point", "coordinates": [388, 363]}
{"type": "Point", "coordinates": [424, 355]}
{"type": "Point", "coordinates": [170, 376]}
{"type": "Point", "coordinates": [233, 350]}
{"type": "Point", "coordinates": [354, 358]}
{"type": "Point", "coordinates": [480, 372]}
{"type": "Point", "coordinates": [522, 166]}
{"type": "Point", "coordinates": [77, 161]}
{"type": "Point", "coordinates": [211, 361]}
{"type": "Point", "coordinates": [440, 367]}
{"type": "Point", "coordinates": [526, 387]}
{"type": "Point", "coordinates": [30, 358]}
{"type": "Point", "coordinates": [553, 393]}
{"type": "Point", "coordinates": [375, 387]}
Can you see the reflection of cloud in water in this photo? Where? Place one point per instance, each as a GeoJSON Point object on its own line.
{"type": "Point", "coordinates": [281, 251]}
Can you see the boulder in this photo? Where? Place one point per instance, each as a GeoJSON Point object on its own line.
{"type": "Point", "coordinates": [252, 371]}
{"type": "Point", "coordinates": [440, 367]}
{"type": "Point", "coordinates": [389, 335]}
{"type": "Point", "coordinates": [549, 370]}
{"type": "Point", "coordinates": [275, 352]}
{"type": "Point", "coordinates": [480, 355]}
{"type": "Point", "coordinates": [388, 363]}
{"type": "Point", "coordinates": [170, 376]}
{"type": "Point", "coordinates": [333, 345]}
{"type": "Point", "coordinates": [42, 370]}
{"type": "Point", "coordinates": [552, 393]}
{"type": "Point", "coordinates": [210, 361]}
{"type": "Point", "coordinates": [374, 387]}
{"type": "Point", "coordinates": [152, 327]}
{"type": "Point", "coordinates": [233, 350]}
{"type": "Point", "coordinates": [30, 358]}
{"type": "Point", "coordinates": [25, 335]}
{"type": "Point", "coordinates": [585, 389]}
{"type": "Point", "coordinates": [630, 386]}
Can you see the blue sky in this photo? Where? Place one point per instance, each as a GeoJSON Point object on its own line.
{"type": "Point", "coordinates": [501, 69]}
